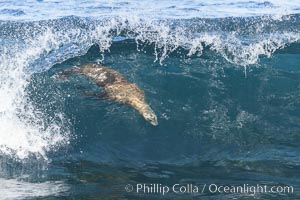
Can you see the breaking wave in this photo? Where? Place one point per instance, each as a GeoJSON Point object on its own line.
{"type": "Point", "coordinates": [31, 47]}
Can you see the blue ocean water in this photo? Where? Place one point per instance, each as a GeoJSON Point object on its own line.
{"type": "Point", "coordinates": [223, 78]}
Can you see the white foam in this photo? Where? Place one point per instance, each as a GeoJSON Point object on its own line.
{"type": "Point", "coordinates": [22, 128]}
{"type": "Point", "coordinates": [236, 49]}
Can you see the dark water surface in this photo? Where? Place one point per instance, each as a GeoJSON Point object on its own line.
{"type": "Point", "coordinates": [216, 125]}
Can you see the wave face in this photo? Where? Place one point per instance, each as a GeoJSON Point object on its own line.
{"type": "Point", "coordinates": [223, 78]}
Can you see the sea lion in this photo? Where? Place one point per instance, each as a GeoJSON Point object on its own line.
{"type": "Point", "coordinates": [116, 88]}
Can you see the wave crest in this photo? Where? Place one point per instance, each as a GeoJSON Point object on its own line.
{"type": "Point", "coordinates": [30, 47]}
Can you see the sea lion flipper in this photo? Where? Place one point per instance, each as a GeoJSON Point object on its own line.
{"type": "Point", "coordinates": [101, 95]}
{"type": "Point", "coordinates": [67, 72]}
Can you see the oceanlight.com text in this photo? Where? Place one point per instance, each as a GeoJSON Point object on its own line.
{"type": "Point", "coordinates": [157, 188]}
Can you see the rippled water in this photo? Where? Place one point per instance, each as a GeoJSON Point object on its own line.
{"type": "Point", "coordinates": [50, 9]}
{"type": "Point", "coordinates": [222, 77]}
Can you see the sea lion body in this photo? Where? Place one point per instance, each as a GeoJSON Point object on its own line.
{"type": "Point", "coordinates": [117, 88]}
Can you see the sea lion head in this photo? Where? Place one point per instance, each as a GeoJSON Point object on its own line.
{"type": "Point", "coordinates": [150, 116]}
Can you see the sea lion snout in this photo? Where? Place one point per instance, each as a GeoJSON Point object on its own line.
{"type": "Point", "coordinates": [150, 116]}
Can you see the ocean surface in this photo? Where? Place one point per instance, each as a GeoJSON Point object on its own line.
{"type": "Point", "coordinates": [223, 78]}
